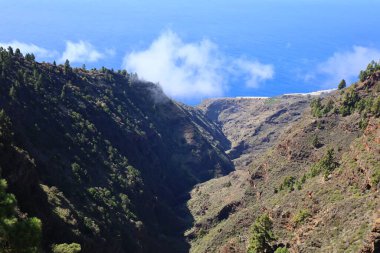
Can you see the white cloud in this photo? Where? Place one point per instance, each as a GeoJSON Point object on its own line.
{"type": "Point", "coordinates": [346, 65]}
{"type": "Point", "coordinates": [82, 52]}
{"type": "Point", "coordinates": [183, 70]}
{"type": "Point", "coordinates": [30, 48]}
{"type": "Point", "coordinates": [256, 72]}
{"type": "Point", "coordinates": [191, 70]}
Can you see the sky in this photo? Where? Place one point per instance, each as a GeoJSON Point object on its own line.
{"type": "Point", "coordinates": [200, 49]}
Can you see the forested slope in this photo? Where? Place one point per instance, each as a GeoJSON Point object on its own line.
{"type": "Point", "coordinates": [102, 159]}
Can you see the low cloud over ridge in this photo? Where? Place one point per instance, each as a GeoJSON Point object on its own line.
{"type": "Point", "coordinates": [345, 65]}
{"type": "Point", "coordinates": [256, 72]}
{"type": "Point", "coordinates": [75, 52]}
{"type": "Point", "coordinates": [192, 70]}
{"type": "Point", "coordinates": [82, 52]}
{"type": "Point", "coordinates": [30, 48]}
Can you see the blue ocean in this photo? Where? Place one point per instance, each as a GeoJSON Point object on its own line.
{"type": "Point", "coordinates": [296, 37]}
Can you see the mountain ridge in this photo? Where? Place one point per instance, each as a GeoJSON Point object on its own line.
{"type": "Point", "coordinates": [97, 154]}
{"type": "Point", "coordinates": [111, 164]}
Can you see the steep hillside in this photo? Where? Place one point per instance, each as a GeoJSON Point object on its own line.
{"type": "Point", "coordinates": [252, 125]}
{"type": "Point", "coordinates": [318, 182]}
{"type": "Point", "coordinates": [104, 160]}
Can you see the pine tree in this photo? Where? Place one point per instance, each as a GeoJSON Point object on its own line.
{"type": "Point", "coordinates": [18, 52]}
{"type": "Point", "coordinates": [66, 67]}
{"type": "Point", "coordinates": [342, 84]}
{"type": "Point", "coordinates": [5, 128]}
{"type": "Point", "coordinates": [10, 50]}
{"type": "Point", "coordinates": [30, 57]}
{"type": "Point", "coordinates": [262, 235]}
{"type": "Point", "coordinates": [315, 142]}
{"type": "Point", "coordinates": [316, 107]}
{"type": "Point", "coordinates": [17, 234]}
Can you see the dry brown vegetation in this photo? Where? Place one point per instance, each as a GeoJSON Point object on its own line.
{"type": "Point", "coordinates": [311, 211]}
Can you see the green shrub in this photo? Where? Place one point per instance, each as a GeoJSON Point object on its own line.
{"type": "Point", "coordinates": [301, 216]}
{"type": "Point", "coordinates": [288, 183]}
{"type": "Point", "coordinates": [326, 165]}
{"type": "Point", "coordinates": [329, 106]}
{"type": "Point", "coordinates": [103, 196]}
{"type": "Point", "coordinates": [91, 225]}
{"type": "Point", "coordinates": [66, 248]}
{"type": "Point", "coordinates": [281, 250]}
{"type": "Point", "coordinates": [361, 105]}
{"type": "Point", "coordinates": [350, 99]}
{"type": "Point", "coordinates": [316, 107]}
{"type": "Point", "coordinates": [262, 235]}
{"type": "Point", "coordinates": [371, 68]}
{"type": "Point", "coordinates": [363, 123]}
{"type": "Point", "coordinates": [133, 177]}
{"type": "Point", "coordinates": [375, 178]}
{"type": "Point", "coordinates": [125, 204]}
{"type": "Point", "coordinates": [315, 142]}
{"type": "Point", "coordinates": [376, 107]}
{"type": "Point", "coordinates": [79, 172]}
{"type": "Point", "coordinates": [344, 111]}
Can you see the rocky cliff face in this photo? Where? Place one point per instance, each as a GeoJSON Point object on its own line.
{"type": "Point", "coordinates": [252, 125]}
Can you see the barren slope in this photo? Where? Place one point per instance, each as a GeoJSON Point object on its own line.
{"type": "Point", "coordinates": [252, 125]}
{"type": "Point", "coordinates": [342, 206]}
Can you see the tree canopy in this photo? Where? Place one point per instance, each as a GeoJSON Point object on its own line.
{"type": "Point", "coordinates": [262, 235]}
